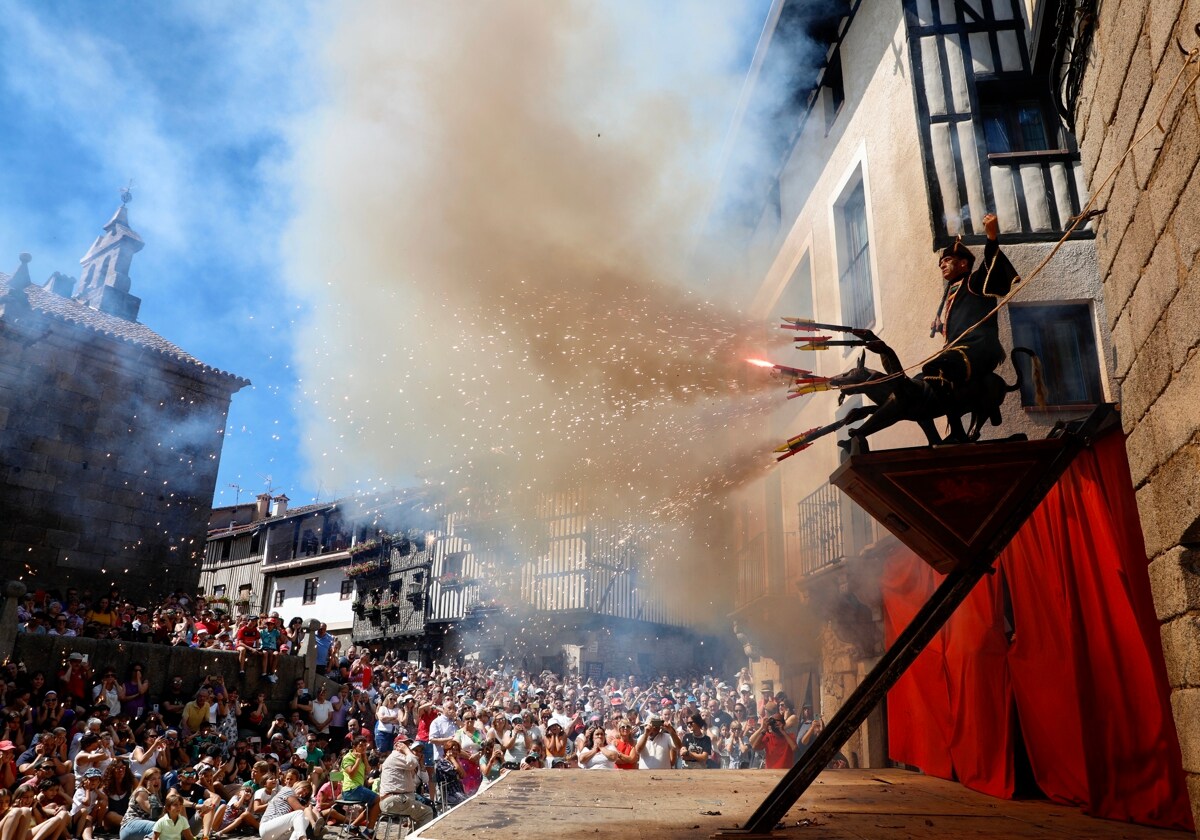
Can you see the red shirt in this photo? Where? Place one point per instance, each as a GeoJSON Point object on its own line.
{"type": "Point", "coordinates": [625, 748]}
{"type": "Point", "coordinates": [779, 754]}
{"type": "Point", "coordinates": [248, 635]}
{"type": "Point", "coordinates": [427, 717]}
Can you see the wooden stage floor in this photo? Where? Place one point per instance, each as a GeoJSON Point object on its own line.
{"type": "Point", "coordinates": [562, 805]}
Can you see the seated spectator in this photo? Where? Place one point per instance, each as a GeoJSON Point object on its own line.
{"type": "Point", "coordinates": [354, 773]}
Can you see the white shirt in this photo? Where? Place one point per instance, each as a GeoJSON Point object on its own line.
{"type": "Point", "coordinates": [442, 727]}
{"type": "Point", "coordinates": [656, 755]}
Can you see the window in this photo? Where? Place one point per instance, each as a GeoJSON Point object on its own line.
{"type": "Point", "coordinates": [347, 589]}
{"type": "Point", "coordinates": [280, 594]}
{"type": "Point", "coordinates": [219, 590]}
{"type": "Point", "coordinates": [833, 90]}
{"type": "Point", "coordinates": [310, 590]}
{"type": "Point", "coordinates": [796, 301]}
{"type": "Point", "coordinates": [226, 547]}
{"type": "Point", "coordinates": [1015, 118]}
{"type": "Point", "coordinates": [244, 592]}
{"type": "Point", "coordinates": [1062, 337]}
{"type": "Point", "coordinates": [854, 281]}
{"type": "Point", "coordinates": [255, 542]}
{"type": "Point", "coordinates": [452, 563]}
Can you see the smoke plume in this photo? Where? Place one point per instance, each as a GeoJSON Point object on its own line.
{"type": "Point", "coordinates": [496, 210]}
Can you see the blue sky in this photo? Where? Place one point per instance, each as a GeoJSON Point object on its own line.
{"type": "Point", "coordinates": [208, 108]}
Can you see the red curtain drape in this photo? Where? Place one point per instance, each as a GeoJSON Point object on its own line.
{"type": "Point", "coordinates": [1084, 670]}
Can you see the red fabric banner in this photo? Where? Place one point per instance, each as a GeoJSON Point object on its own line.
{"type": "Point", "coordinates": [1083, 670]}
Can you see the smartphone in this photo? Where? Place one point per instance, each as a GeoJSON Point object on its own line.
{"type": "Point", "coordinates": [155, 708]}
{"type": "Point", "coordinates": [85, 659]}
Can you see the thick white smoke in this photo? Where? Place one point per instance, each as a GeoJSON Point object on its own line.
{"type": "Point", "coordinates": [496, 208]}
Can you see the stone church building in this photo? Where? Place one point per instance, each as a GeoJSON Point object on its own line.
{"type": "Point", "coordinates": [110, 435]}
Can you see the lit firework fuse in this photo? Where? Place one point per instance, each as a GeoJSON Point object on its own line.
{"type": "Point", "coordinates": [791, 372]}
{"type": "Point", "coordinates": [803, 381]}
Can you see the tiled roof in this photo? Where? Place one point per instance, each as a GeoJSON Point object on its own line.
{"type": "Point", "coordinates": [74, 312]}
{"type": "Point", "coordinates": [247, 527]}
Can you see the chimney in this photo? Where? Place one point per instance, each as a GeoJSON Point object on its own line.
{"type": "Point", "coordinates": [60, 284]}
{"type": "Point", "coordinates": [262, 504]}
{"type": "Point", "coordinates": [280, 505]}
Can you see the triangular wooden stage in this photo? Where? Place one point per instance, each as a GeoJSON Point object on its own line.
{"type": "Point", "coordinates": [948, 503]}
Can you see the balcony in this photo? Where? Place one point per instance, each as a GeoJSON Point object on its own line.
{"type": "Point", "coordinates": [819, 541]}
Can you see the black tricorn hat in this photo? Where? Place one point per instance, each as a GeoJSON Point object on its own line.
{"type": "Point", "coordinates": [958, 249]}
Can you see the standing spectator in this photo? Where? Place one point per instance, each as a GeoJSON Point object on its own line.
{"type": "Point", "coordinates": [736, 748]}
{"type": "Point", "coordinates": [441, 731]}
{"type": "Point", "coordinates": [327, 645]}
{"type": "Point", "coordinates": [697, 746]}
{"type": "Point", "coordinates": [659, 746]}
{"type": "Point", "coordinates": [103, 614]}
{"type": "Point", "coordinates": [560, 750]}
{"type": "Point", "coordinates": [775, 741]}
{"type": "Point", "coordinates": [107, 692]}
{"type": "Point", "coordinates": [132, 693]}
{"type": "Point", "coordinates": [172, 703]}
{"type": "Point", "coordinates": [301, 697]}
{"type": "Point", "coordinates": [809, 730]}
{"type": "Point", "coordinates": [339, 718]}
{"type": "Point", "coordinates": [74, 679]}
{"type": "Point", "coordinates": [597, 754]}
{"type": "Point", "coordinates": [321, 713]}
{"type": "Point", "coordinates": [626, 747]}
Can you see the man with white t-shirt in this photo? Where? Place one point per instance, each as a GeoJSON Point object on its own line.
{"type": "Point", "coordinates": [659, 745]}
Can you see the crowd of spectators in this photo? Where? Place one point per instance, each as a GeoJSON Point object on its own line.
{"type": "Point", "coordinates": [85, 754]}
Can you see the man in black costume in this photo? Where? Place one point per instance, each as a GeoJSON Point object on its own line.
{"type": "Point", "coordinates": [972, 351]}
{"type": "Point", "coordinates": [969, 298]}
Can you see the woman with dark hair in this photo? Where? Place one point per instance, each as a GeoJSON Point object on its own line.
{"type": "Point", "coordinates": [294, 635]}
{"type": "Point", "coordinates": [49, 713]}
{"type": "Point", "coordinates": [14, 728]}
{"type": "Point", "coordinates": [597, 754]}
{"type": "Point", "coordinates": [117, 786]}
{"type": "Point", "coordinates": [103, 613]}
{"type": "Point", "coordinates": [37, 687]}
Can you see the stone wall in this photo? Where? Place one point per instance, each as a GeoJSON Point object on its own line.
{"type": "Point", "coordinates": [1147, 252]}
{"type": "Point", "coordinates": [108, 459]}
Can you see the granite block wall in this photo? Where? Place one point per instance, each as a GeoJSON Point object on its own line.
{"type": "Point", "coordinates": [1147, 244]}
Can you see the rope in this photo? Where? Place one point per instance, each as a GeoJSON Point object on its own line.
{"type": "Point", "coordinates": [1084, 215]}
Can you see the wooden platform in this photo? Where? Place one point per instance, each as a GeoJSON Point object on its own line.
{"type": "Point", "coordinates": [842, 804]}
